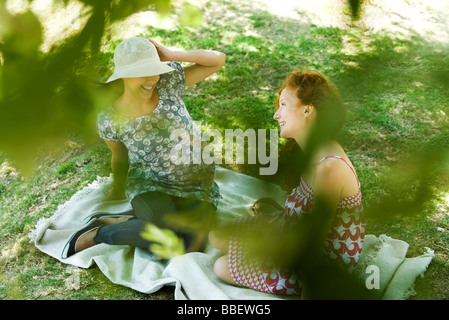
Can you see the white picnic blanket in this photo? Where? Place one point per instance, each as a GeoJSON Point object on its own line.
{"type": "Point", "coordinates": [192, 274]}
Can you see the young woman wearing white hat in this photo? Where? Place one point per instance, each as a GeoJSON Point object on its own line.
{"type": "Point", "coordinates": [137, 130]}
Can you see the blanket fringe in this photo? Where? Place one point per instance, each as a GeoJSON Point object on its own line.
{"type": "Point", "coordinates": [409, 292]}
{"type": "Point", "coordinates": [368, 259]}
{"type": "Point", "coordinates": [429, 253]}
{"type": "Point", "coordinates": [44, 223]}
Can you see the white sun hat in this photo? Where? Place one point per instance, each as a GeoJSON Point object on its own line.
{"type": "Point", "coordinates": [137, 57]}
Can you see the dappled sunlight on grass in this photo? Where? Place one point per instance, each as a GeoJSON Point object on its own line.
{"type": "Point", "coordinates": [409, 19]}
{"type": "Point", "coordinates": [390, 67]}
{"type": "Point", "coordinates": [323, 13]}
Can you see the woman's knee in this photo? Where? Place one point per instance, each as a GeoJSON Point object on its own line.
{"type": "Point", "coordinates": [221, 270]}
{"type": "Point", "coordinates": [152, 206]}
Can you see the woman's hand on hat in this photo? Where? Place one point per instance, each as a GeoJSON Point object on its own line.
{"type": "Point", "coordinates": [164, 53]}
{"type": "Point", "coordinates": [204, 62]}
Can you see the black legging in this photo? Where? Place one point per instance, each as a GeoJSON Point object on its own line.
{"type": "Point", "coordinates": [155, 207]}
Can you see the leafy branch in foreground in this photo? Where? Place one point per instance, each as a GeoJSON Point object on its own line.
{"type": "Point", "coordinates": [166, 244]}
{"type": "Point", "coordinates": [43, 96]}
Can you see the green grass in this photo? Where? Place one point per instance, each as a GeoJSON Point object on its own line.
{"type": "Point", "coordinates": [396, 98]}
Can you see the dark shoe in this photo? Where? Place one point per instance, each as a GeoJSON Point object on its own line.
{"type": "Point", "coordinates": [100, 215]}
{"type": "Point", "coordinates": [71, 243]}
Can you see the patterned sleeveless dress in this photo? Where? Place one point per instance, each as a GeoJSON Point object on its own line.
{"type": "Point", "coordinates": [344, 242]}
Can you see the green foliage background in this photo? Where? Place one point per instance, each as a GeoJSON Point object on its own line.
{"type": "Point", "coordinates": [395, 85]}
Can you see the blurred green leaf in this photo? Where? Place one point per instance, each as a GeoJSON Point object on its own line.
{"type": "Point", "coordinates": [190, 15]}
{"type": "Point", "coordinates": [167, 244]}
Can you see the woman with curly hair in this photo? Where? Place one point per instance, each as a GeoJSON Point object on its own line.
{"type": "Point", "coordinates": [310, 114]}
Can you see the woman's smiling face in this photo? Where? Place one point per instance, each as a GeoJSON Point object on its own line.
{"type": "Point", "coordinates": [291, 114]}
{"type": "Point", "coordinates": [142, 85]}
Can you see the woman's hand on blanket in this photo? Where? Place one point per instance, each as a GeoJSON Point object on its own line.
{"type": "Point", "coordinates": [266, 206]}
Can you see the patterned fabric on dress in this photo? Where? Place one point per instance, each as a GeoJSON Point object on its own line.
{"type": "Point", "coordinates": [152, 141]}
{"type": "Point", "coordinates": [344, 243]}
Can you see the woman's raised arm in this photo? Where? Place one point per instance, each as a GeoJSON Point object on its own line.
{"type": "Point", "coordinates": [205, 62]}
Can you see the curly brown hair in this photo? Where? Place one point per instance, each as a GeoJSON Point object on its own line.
{"type": "Point", "coordinates": [313, 88]}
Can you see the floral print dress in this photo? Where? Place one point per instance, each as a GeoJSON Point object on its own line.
{"type": "Point", "coordinates": [154, 164]}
